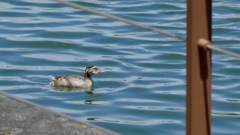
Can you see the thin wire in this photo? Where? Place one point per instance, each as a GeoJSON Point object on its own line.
{"type": "Point", "coordinates": [122, 20]}
{"type": "Point", "coordinates": [209, 46]}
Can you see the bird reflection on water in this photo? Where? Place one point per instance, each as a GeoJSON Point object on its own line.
{"type": "Point", "coordinates": [88, 90]}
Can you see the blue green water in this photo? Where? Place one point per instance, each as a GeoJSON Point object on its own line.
{"type": "Point", "coordinates": [143, 88]}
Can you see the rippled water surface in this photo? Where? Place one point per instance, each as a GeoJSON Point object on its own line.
{"type": "Point", "coordinates": [143, 88]}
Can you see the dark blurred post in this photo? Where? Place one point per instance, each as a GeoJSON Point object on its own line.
{"type": "Point", "coordinates": [199, 19]}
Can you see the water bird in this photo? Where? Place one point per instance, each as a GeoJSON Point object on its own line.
{"type": "Point", "coordinates": [76, 81]}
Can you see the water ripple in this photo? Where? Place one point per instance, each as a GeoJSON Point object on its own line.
{"type": "Point", "coordinates": [143, 88]}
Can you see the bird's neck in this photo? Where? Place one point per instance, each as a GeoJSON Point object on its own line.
{"type": "Point", "coordinates": [87, 77]}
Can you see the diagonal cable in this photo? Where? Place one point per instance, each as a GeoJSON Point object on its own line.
{"type": "Point", "coordinates": [223, 51]}
{"type": "Point", "coordinates": [204, 43]}
{"type": "Point", "coordinates": [121, 20]}
{"type": "Point", "coordinates": [159, 31]}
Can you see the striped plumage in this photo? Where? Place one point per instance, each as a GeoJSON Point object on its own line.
{"type": "Point", "coordinates": [76, 81]}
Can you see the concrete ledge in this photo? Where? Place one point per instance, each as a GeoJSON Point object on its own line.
{"type": "Point", "coordinates": [20, 117]}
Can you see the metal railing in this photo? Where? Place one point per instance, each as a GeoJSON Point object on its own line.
{"type": "Point", "coordinates": [198, 60]}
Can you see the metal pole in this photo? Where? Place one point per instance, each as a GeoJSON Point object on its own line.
{"type": "Point", "coordinates": [198, 68]}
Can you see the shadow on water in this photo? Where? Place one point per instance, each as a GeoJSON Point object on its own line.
{"type": "Point", "coordinates": [88, 90]}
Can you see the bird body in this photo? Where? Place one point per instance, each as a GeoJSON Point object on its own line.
{"type": "Point", "coordinates": [76, 81]}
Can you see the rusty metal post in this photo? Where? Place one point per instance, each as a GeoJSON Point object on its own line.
{"type": "Point", "coordinates": [199, 21]}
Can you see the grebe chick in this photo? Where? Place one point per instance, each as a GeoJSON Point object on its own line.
{"type": "Point", "coordinates": [76, 81]}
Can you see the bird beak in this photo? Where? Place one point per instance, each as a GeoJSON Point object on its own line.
{"type": "Point", "coordinates": [100, 71]}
